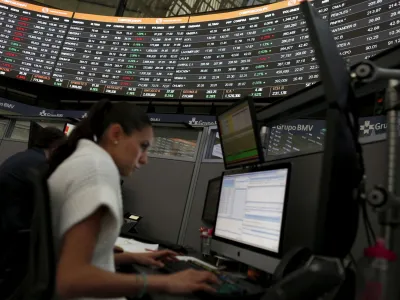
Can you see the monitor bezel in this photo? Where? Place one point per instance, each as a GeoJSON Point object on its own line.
{"type": "Point", "coordinates": [286, 165]}
{"type": "Point", "coordinates": [253, 116]}
{"type": "Point", "coordinates": [219, 178]}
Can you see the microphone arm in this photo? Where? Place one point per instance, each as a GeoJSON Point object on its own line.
{"type": "Point", "coordinates": [385, 200]}
{"type": "Point", "coordinates": [367, 72]}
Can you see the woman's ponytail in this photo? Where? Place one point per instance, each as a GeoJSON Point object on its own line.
{"type": "Point", "coordinates": [91, 128]}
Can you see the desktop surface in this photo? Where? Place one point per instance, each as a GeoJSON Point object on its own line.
{"type": "Point", "coordinates": [230, 287]}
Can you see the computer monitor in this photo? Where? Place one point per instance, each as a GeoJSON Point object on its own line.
{"type": "Point", "coordinates": [34, 132]}
{"type": "Point", "coordinates": [68, 127]}
{"type": "Point", "coordinates": [343, 165]}
{"type": "Point", "coordinates": [240, 139]}
{"type": "Point", "coordinates": [211, 202]}
{"type": "Point", "coordinates": [251, 213]}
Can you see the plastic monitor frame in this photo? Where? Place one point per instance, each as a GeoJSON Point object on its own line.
{"type": "Point", "coordinates": [257, 137]}
{"type": "Point", "coordinates": [210, 182]}
{"type": "Point", "coordinates": [247, 254]}
{"type": "Point", "coordinates": [342, 169]}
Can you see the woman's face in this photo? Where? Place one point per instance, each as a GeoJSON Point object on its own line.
{"type": "Point", "coordinates": [129, 151]}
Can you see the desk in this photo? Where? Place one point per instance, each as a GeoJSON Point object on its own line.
{"type": "Point", "coordinates": [151, 271]}
{"type": "Point", "coordinates": [257, 290]}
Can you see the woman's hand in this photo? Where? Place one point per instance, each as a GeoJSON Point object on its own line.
{"type": "Point", "coordinates": [118, 249]}
{"type": "Point", "coordinates": [189, 281]}
{"type": "Point", "coordinates": [154, 258]}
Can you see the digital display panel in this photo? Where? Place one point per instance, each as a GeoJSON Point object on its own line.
{"type": "Point", "coordinates": [239, 141]}
{"type": "Point", "coordinates": [263, 51]}
{"type": "Point", "coordinates": [31, 37]}
{"type": "Point", "coordinates": [124, 56]}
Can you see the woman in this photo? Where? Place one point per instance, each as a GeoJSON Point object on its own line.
{"type": "Point", "coordinates": [87, 212]}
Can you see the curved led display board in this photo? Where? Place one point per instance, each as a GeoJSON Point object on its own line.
{"type": "Point", "coordinates": [262, 51]}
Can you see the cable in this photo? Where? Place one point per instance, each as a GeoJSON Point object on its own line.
{"type": "Point", "coordinates": [348, 261]}
{"type": "Point", "coordinates": [366, 227]}
{"type": "Point", "coordinates": [371, 237]}
{"type": "Point", "coordinates": [352, 260]}
{"type": "Point", "coordinates": [352, 122]}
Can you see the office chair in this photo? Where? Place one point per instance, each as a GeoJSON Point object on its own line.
{"type": "Point", "coordinates": [39, 283]}
{"type": "Point", "coordinates": [13, 260]}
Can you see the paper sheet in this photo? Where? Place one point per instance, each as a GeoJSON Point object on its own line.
{"type": "Point", "coordinates": [131, 245]}
{"type": "Point", "coordinates": [186, 258]}
{"type": "Point", "coordinates": [217, 151]}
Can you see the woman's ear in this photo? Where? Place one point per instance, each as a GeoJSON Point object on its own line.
{"type": "Point", "coordinates": [114, 133]}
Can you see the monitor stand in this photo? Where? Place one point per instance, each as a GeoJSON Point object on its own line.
{"type": "Point", "coordinates": [221, 259]}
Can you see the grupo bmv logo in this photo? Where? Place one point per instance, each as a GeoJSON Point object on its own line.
{"type": "Point", "coordinates": [367, 127]}
{"type": "Point", "coordinates": [195, 122]}
{"type": "Point", "coordinates": [44, 113]}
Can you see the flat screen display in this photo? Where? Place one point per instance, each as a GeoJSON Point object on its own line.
{"type": "Point", "coordinates": [251, 208]}
{"type": "Point", "coordinates": [240, 141]}
{"type": "Point", "coordinates": [34, 133]}
{"type": "Point", "coordinates": [211, 202]}
{"type": "Point", "coordinates": [68, 128]}
{"type": "Point", "coordinates": [301, 136]}
{"type": "Point", "coordinates": [262, 51]}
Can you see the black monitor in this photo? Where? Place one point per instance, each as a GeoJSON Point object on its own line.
{"type": "Point", "coordinates": [343, 169]}
{"type": "Point", "coordinates": [240, 139]}
{"type": "Point", "coordinates": [251, 213]}
{"type": "Point", "coordinates": [211, 202]}
{"type": "Point", "coordinates": [34, 132]}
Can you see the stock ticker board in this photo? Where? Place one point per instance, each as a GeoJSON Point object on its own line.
{"type": "Point", "coordinates": [264, 51]}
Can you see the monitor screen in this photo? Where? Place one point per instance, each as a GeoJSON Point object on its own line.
{"type": "Point", "coordinates": [251, 208]}
{"type": "Point", "coordinates": [68, 129]}
{"type": "Point", "coordinates": [240, 141]}
{"type": "Point", "coordinates": [211, 202]}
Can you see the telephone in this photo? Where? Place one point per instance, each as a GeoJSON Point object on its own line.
{"type": "Point", "coordinates": [130, 223]}
{"type": "Point", "coordinates": [319, 278]}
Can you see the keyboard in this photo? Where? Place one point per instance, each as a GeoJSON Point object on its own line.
{"type": "Point", "coordinates": [229, 287]}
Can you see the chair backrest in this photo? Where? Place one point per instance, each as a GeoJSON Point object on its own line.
{"type": "Point", "coordinates": [40, 281]}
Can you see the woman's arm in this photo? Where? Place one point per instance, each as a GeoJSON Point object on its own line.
{"type": "Point", "coordinates": [124, 258]}
{"type": "Point", "coordinates": [149, 258]}
{"type": "Point", "coordinates": [76, 277]}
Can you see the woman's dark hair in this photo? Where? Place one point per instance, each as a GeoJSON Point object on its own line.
{"type": "Point", "coordinates": [100, 117]}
